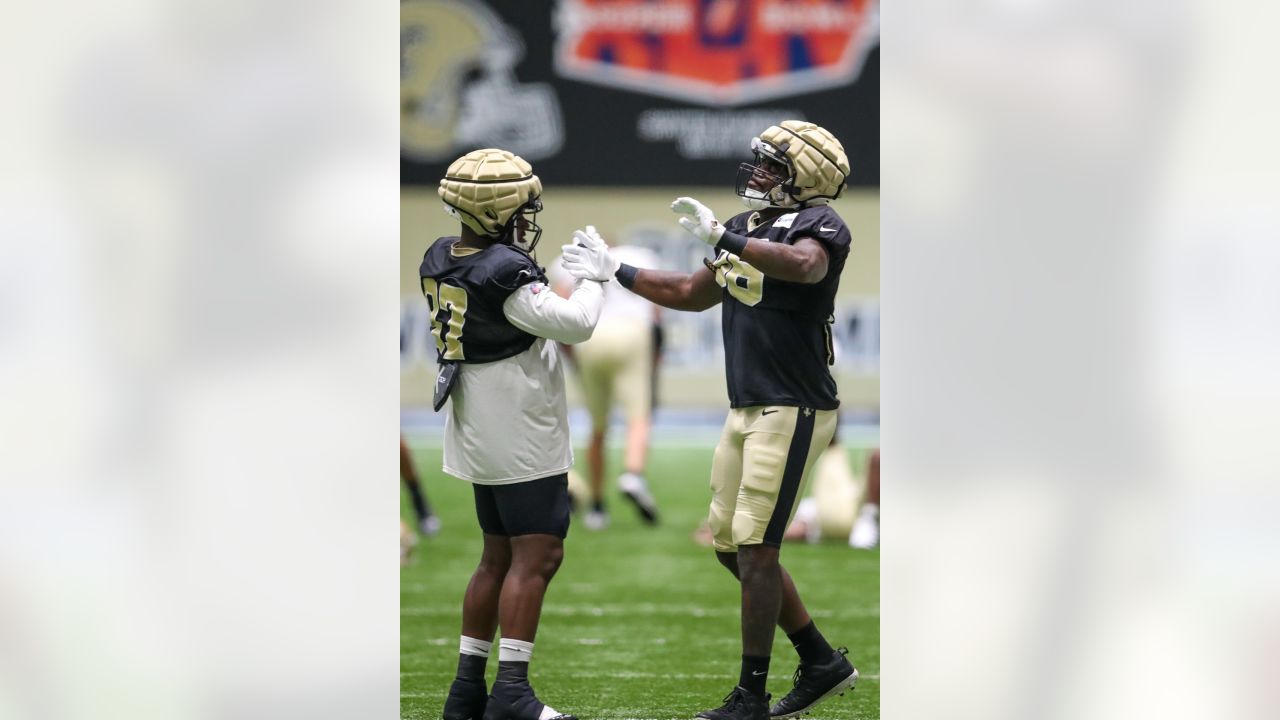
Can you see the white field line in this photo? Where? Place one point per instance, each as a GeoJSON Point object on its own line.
{"type": "Point", "coordinates": [605, 716]}
{"type": "Point", "coordinates": [608, 645]}
{"type": "Point", "coordinates": [641, 609]}
{"type": "Point", "coordinates": [621, 675]}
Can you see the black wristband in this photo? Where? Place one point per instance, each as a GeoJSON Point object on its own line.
{"type": "Point", "coordinates": [732, 243]}
{"type": "Point", "coordinates": [626, 275]}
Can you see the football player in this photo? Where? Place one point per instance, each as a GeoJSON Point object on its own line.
{"type": "Point", "coordinates": [617, 365]}
{"type": "Point", "coordinates": [496, 324]}
{"type": "Point", "coordinates": [866, 531]}
{"type": "Point", "coordinates": [407, 543]}
{"type": "Point", "coordinates": [428, 521]}
{"type": "Point", "coordinates": [840, 504]}
{"type": "Point", "coordinates": [776, 271]}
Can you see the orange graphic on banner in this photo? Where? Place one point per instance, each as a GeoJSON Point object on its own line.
{"type": "Point", "coordinates": [716, 51]}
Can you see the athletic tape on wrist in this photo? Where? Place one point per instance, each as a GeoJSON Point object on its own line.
{"type": "Point", "coordinates": [732, 242]}
{"type": "Point", "coordinates": [626, 275]}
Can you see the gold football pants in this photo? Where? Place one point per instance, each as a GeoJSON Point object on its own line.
{"type": "Point", "coordinates": [764, 455]}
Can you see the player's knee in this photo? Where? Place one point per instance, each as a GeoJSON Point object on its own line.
{"type": "Point", "coordinates": [757, 563]}
{"type": "Point", "coordinates": [494, 564]}
{"type": "Point", "coordinates": [720, 522]}
{"type": "Point", "coordinates": [744, 526]}
{"type": "Point", "coordinates": [550, 561]}
{"type": "Point", "coordinates": [729, 560]}
{"type": "Point", "coordinates": [495, 558]}
{"type": "Point", "coordinates": [538, 559]}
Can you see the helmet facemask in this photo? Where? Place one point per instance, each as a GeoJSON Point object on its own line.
{"type": "Point", "coordinates": [816, 160]}
{"type": "Point", "coordinates": [522, 232]}
{"type": "Point", "coordinates": [766, 182]}
{"type": "Point", "coordinates": [495, 194]}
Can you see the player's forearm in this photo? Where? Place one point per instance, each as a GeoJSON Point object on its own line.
{"type": "Point", "coordinates": [545, 314]}
{"type": "Point", "coordinates": [578, 315]}
{"type": "Point", "coordinates": [779, 261]}
{"type": "Point", "coordinates": [673, 290]}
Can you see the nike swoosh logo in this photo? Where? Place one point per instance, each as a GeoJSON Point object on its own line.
{"type": "Point", "coordinates": [753, 672]}
{"type": "Point", "coordinates": [768, 412]}
{"type": "Point", "coordinates": [827, 229]}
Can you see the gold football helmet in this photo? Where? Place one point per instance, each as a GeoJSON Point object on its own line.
{"type": "Point", "coordinates": [797, 164]}
{"type": "Point", "coordinates": [495, 193]}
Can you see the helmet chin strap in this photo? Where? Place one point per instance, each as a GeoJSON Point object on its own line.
{"type": "Point", "coordinates": [756, 200]}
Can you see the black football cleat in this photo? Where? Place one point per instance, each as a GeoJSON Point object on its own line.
{"type": "Point", "coordinates": [466, 701]}
{"type": "Point", "coordinates": [635, 489]}
{"type": "Point", "coordinates": [741, 704]}
{"type": "Point", "coordinates": [816, 683]}
{"type": "Point", "coordinates": [510, 701]}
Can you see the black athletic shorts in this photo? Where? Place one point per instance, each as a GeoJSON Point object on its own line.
{"type": "Point", "coordinates": [533, 507]}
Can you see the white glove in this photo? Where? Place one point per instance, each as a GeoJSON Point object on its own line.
{"type": "Point", "coordinates": [698, 220]}
{"type": "Point", "coordinates": [588, 258]}
{"type": "Point", "coordinates": [588, 237]}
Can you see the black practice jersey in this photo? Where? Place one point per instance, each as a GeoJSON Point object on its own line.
{"type": "Point", "coordinates": [777, 334]}
{"type": "Point", "coordinates": [465, 294]}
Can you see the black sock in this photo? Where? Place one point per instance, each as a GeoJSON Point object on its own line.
{"type": "Point", "coordinates": [813, 648]}
{"type": "Point", "coordinates": [597, 505]}
{"type": "Point", "coordinates": [510, 671]}
{"type": "Point", "coordinates": [471, 667]}
{"type": "Point", "coordinates": [755, 671]}
{"type": "Point", "coordinates": [420, 507]}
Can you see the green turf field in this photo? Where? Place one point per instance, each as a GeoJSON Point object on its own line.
{"type": "Point", "coordinates": [640, 622]}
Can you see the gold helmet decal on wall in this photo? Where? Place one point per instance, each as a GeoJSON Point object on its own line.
{"type": "Point", "coordinates": [458, 87]}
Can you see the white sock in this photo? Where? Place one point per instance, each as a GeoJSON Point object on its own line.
{"type": "Point", "coordinates": [871, 509]}
{"type": "Point", "coordinates": [514, 651]}
{"type": "Point", "coordinates": [472, 646]}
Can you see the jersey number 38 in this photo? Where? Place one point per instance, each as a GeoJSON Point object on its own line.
{"type": "Point", "coordinates": [743, 281]}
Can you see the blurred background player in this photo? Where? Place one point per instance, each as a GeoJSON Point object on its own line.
{"type": "Point", "coordinates": [776, 275]}
{"type": "Point", "coordinates": [496, 323]}
{"type": "Point", "coordinates": [618, 364]}
{"type": "Point", "coordinates": [428, 522]}
{"type": "Point", "coordinates": [831, 510]}
{"type": "Point", "coordinates": [407, 542]}
{"type": "Point", "coordinates": [866, 530]}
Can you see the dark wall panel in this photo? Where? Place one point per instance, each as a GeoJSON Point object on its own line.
{"type": "Point", "coordinates": [633, 92]}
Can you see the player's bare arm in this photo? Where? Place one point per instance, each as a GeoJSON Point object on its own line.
{"type": "Point", "coordinates": [588, 258]}
{"type": "Point", "coordinates": [803, 262]}
{"type": "Point", "coordinates": [693, 292]}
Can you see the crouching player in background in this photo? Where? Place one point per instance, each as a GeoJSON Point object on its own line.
{"type": "Point", "coordinates": [836, 508]}
{"type": "Point", "coordinates": [496, 324]}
